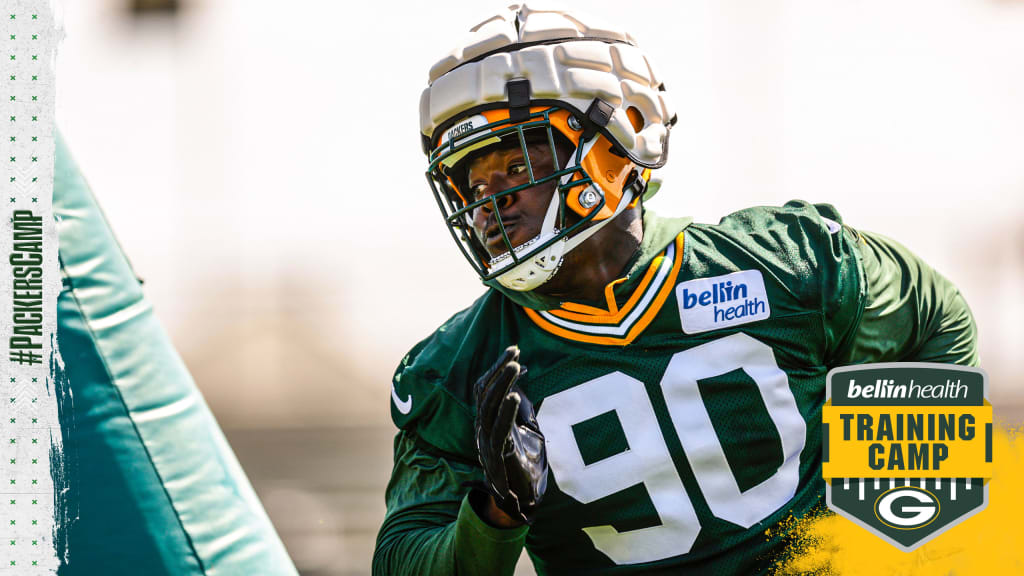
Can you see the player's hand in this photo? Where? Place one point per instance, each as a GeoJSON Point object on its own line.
{"type": "Point", "coordinates": [508, 440]}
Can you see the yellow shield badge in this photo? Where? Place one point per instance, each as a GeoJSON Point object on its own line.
{"type": "Point", "coordinates": [907, 447]}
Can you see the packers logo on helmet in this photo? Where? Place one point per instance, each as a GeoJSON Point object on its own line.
{"type": "Point", "coordinates": [528, 76]}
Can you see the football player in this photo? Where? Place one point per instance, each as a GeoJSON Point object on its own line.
{"type": "Point", "coordinates": [633, 394]}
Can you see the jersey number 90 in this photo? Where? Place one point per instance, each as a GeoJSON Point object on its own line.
{"type": "Point", "coordinates": [648, 461]}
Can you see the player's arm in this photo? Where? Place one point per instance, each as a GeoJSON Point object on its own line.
{"type": "Point", "coordinates": [431, 528]}
{"type": "Point", "coordinates": [910, 311]}
{"type": "Point", "coordinates": [435, 524]}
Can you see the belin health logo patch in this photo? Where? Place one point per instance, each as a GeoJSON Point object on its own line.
{"type": "Point", "coordinates": [908, 447]}
{"type": "Point", "coordinates": [722, 301]}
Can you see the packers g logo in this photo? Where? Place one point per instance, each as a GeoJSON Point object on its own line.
{"type": "Point", "coordinates": [906, 508]}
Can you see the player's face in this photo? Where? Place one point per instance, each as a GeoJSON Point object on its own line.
{"type": "Point", "coordinates": [522, 212]}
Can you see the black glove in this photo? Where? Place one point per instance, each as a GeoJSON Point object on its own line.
{"type": "Point", "coordinates": [508, 440]}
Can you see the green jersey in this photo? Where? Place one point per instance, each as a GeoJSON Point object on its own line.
{"type": "Point", "coordinates": [682, 417]}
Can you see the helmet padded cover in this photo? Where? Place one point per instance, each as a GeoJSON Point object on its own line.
{"type": "Point", "coordinates": [574, 71]}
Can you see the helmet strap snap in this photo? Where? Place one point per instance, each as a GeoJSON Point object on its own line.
{"type": "Point", "coordinates": [599, 113]}
{"type": "Point", "coordinates": [518, 90]}
{"type": "Point", "coordinates": [637, 184]}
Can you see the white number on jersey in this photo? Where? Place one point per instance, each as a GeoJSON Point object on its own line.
{"type": "Point", "coordinates": [647, 460]}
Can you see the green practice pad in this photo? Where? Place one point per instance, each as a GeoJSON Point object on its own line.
{"type": "Point", "coordinates": [146, 484]}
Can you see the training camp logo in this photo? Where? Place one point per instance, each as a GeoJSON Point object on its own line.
{"type": "Point", "coordinates": [722, 301]}
{"type": "Point", "coordinates": [907, 448]}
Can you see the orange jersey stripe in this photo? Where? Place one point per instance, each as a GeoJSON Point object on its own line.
{"type": "Point", "coordinates": [641, 323]}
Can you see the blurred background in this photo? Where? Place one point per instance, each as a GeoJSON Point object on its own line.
{"type": "Point", "coordinates": [260, 163]}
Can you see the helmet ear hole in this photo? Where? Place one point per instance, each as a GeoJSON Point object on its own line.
{"type": "Point", "coordinates": [635, 118]}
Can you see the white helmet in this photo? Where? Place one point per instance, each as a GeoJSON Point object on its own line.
{"type": "Point", "coordinates": [528, 69]}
